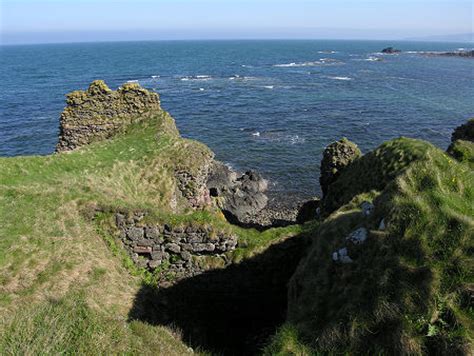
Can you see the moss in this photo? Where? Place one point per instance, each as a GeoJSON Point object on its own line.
{"type": "Point", "coordinates": [463, 151]}
{"type": "Point", "coordinates": [403, 293]}
{"type": "Point", "coordinates": [375, 170]}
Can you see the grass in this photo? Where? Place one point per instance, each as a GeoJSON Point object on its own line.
{"type": "Point", "coordinates": [66, 286]}
{"type": "Point", "coordinates": [403, 294]}
{"type": "Point", "coordinates": [63, 280]}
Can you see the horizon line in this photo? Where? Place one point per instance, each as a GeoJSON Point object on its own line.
{"type": "Point", "coordinates": [234, 39]}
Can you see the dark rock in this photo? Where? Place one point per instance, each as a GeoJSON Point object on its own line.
{"type": "Point", "coordinates": [240, 197]}
{"type": "Point", "coordinates": [308, 211]}
{"type": "Point", "coordinates": [464, 132]}
{"type": "Point", "coordinates": [463, 54]}
{"type": "Point", "coordinates": [336, 157]}
{"type": "Point", "coordinates": [390, 50]}
{"type": "Point", "coordinates": [367, 208]}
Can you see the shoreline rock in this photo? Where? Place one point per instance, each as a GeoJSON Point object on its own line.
{"type": "Point", "coordinates": [390, 50]}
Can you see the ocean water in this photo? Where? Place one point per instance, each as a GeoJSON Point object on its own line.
{"type": "Point", "coordinates": [266, 105]}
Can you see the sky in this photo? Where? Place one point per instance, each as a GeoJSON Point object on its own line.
{"type": "Point", "coordinates": [41, 21]}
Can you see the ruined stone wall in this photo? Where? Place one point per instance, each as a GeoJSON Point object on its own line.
{"type": "Point", "coordinates": [177, 252]}
{"type": "Point", "coordinates": [99, 112]}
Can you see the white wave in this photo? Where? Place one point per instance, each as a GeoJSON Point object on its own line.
{"type": "Point", "coordinates": [327, 52]}
{"type": "Point", "coordinates": [257, 134]}
{"type": "Point", "coordinates": [132, 81]}
{"type": "Point", "coordinates": [243, 78]}
{"type": "Point", "coordinates": [201, 89]}
{"type": "Point", "coordinates": [322, 61]}
{"type": "Point", "coordinates": [373, 59]}
{"type": "Point", "coordinates": [295, 139]}
{"type": "Point", "coordinates": [269, 86]}
{"type": "Point", "coordinates": [196, 77]}
{"type": "Point", "coordinates": [340, 78]}
{"type": "Point", "coordinates": [246, 66]}
{"type": "Point", "coordinates": [155, 76]}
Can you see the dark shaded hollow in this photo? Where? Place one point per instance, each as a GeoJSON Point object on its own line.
{"type": "Point", "coordinates": [231, 311]}
{"type": "Point", "coordinates": [232, 219]}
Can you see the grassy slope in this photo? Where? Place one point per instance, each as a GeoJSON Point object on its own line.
{"type": "Point", "coordinates": [62, 289]}
{"type": "Point", "coordinates": [408, 290]}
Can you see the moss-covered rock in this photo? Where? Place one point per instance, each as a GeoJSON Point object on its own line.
{"type": "Point", "coordinates": [336, 157]}
{"type": "Point", "coordinates": [463, 151]}
{"type": "Point", "coordinates": [462, 143]}
{"type": "Point", "coordinates": [100, 112]}
{"type": "Point", "coordinates": [374, 171]}
{"type": "Point", "coordinates": [464, 132]}
{"type": "Point", "coordinates": [407, 287]}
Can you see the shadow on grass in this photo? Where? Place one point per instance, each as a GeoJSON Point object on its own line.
{"type": "Point", "coordinates": [230, 311]}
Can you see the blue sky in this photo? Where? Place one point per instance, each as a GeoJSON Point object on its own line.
{"type": "Point", "coordinates": [87, 20]}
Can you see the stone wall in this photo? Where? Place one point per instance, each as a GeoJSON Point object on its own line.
{"type": "Point", "coordinates": [177, 252]}
{"type": "Point", "coordinates": [99, 112]}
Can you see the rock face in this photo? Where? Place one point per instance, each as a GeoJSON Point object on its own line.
{"type": "Point", "coordinates": [239, 197]}
{"type": "Point", "coordinates": [179, 252]}
{"type": "Point", "coordinates": [464, 54]}
{"type": "Point", "coordinates": [462, 136]}
{"type": "Point", "coordinates": [308, 211]}
{"type": "Point", "coordinates": [193, 184]}
{"type": "Point", "coordinates": [390, 50]}
{"type": "Point", "coordinates": [336, 157]}
{"type": "Point", "coordinates": [100, 112]}
{"type": "Point", "coordinates": [464, 132]}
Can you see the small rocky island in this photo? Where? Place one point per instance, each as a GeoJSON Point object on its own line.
{"type": "Point", "coordinates": [462, 54]}
{"type": "Point", "coordinates": [138, 232]}
{"type": "Point", "coordinates": [390, 50]}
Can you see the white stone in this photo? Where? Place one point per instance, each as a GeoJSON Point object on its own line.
{"type": "Point", "coordinates": [382, 225]}
{"type": "Point", "coordinates": [341, 256]}
{"type": "Point", "coordinates": [367, 208]}
{"type": "Point", "coordinates": [358, 236]}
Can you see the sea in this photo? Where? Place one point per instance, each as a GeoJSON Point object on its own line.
{"type": "Point", "coordinates": [266, 105]}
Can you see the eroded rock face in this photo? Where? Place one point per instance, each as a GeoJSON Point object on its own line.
{"type": "Point", "coordinates": [99, 112]}
{"type": "Point", "coordinates": [464, 132]}
{"type": "Point", "coordinates": [182, 251]}
{"type": "Point", "coordinates": [336, 157]}
{"type": "Point", "coordinates": [239, 197]}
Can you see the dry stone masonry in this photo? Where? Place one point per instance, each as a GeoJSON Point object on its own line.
{"type": "Point", "coordinates": [181, 251]}
{"type": "Point", "coordinates": [99, 112]}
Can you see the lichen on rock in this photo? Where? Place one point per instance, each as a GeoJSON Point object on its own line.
{"type": "Point", "coordinates": [100, 112]}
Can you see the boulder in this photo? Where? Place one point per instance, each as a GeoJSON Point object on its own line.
{"type": "Point", "coordinates": [464, 132]}
{"type": "Point", "coordinates": [462, 136]}
{"type": "Point", "coordinates": [239, 197]}
{"type": "Point", "coordinates": [367, 208]}
{"type": "Point", "coordinates": [336, 157]}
